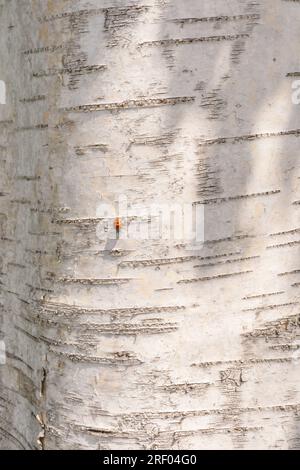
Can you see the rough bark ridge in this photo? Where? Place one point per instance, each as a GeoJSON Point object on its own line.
{"type": "Point", "coordinates": [148, 345]}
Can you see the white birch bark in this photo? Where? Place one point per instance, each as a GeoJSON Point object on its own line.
{"type": "Point", "coordinates": [147, 344]}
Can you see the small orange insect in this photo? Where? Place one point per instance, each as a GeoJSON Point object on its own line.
{"type": "Point", "coordinates": [118, 225]}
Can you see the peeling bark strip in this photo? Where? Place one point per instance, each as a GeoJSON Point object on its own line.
{"type": "Point", "coordinates": [152, 343]}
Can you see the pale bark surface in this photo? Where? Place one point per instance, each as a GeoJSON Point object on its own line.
{"type": "Point", "coordinates": [148, 345]}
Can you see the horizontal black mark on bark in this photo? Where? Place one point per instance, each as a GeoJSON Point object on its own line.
{"type": "Point", "coordinates": [287, 273]}
{"type": "Point", "coordinates": [228, 411]}
{"type": "Point", "coordinates": [237, 198]}
{"type": "Point", "coordinates": [286, 232]}
{"type": "Point", "coordinates": [21, 201]}
{"type": "Point", "coordinates": [284, 245]}
{"type": "Point", "coordinates": [71, 14]}
{"type": "Point", "coordinates": [88, 331]}
{"type": "Point", "coordinates": [180, 41]}
{"type": "Point", "coordinates": [242, 362]}
{"type": "Point", "coordinates": [33, 99]}
{"type": "Point", "coordinates": [212, 19]}
{"type": "Point", "coordinates": [164, 261]}
{"type": "Point", "coordinates": [186, 387]}
{"type": "Point", "coordinates": [270, 307]}
{"type": "Point", "coordinates": [82, 70]}
{"type": "Point", "coordinates": [36, 127]}
{"type": "Point", "coordinates": [227, 261]}
{"type": "Point", "coordinates": [83, 150]}
{"type": "Point", "coordinates": [248, 137]}
{"type": "Point", "coordinates": [228, 239]}
{"type": "Point", "coordinates": [93, 282]}
{"type": "Point", "coordinates": [162, 139]}
{"type": "Point", "coordinates": [131, 104]}
{"type": "Point", "coordinates": [67, 311]}
{"type": "Point", "coordinates": [39, 289]}
{"type": "Point", "coordinates": [210, 278]}
{"type": "Point", "coordinates": [28, 178]}
{"type": "Point", "coordinates": [16, 265]}
{"type": "Point", "coordinates": [39, 50]}
{"type": "Point", "coordinates": [260, 296]}
{"type": "Point", "coordinates": [285, 347]}
{"type": "Point", "coordinates": [122, 358]}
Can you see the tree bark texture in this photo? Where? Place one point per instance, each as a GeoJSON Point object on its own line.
{"type": "Point", "coordinates": [149, 344]}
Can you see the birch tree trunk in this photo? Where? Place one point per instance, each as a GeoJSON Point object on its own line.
{"type": "Point", "coordinates": [149, 344]}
